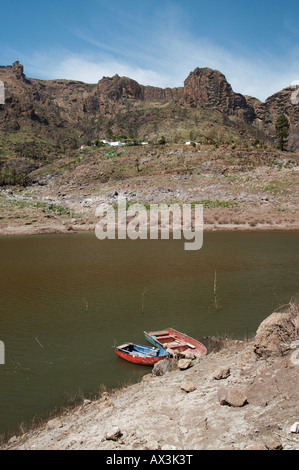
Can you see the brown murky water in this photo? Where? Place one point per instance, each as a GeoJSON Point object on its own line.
{"type": "Point", "coordinates": [66, 299]}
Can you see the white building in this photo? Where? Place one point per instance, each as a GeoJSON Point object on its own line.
{"type": "Point", "coordinates": [113, 144]}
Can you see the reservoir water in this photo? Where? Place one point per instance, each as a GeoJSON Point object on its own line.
{"type": "Point", "coordinates": [67, 299]}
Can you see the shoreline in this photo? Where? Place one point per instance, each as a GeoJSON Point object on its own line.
{"type": "Point", "coordinates": [60, 229]}
{"type": "Point", "coordinates": [232, 399]}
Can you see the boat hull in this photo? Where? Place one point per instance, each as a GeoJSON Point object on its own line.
{"type": "Point", "coordinates": [176, 341]}
{"type": "Point", "coordinates": [142, 355]}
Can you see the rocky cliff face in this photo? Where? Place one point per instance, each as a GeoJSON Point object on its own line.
{"type": "Point", "coordinates": [62, 110]}
{"type": "Point", "coordinates": [283, 102]}
{"type": "Point", "coordinates": [207, 88]}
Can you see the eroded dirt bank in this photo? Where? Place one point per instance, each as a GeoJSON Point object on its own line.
{"type": "Point", "coordinates": [244, 396]}
{"type": "Point", "coordinates": [239, 190]}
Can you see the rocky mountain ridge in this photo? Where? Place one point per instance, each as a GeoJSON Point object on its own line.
{"type": "Point", "coordinates": [66, 111]}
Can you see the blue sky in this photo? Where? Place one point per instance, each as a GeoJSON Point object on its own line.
{"type": "Point", "coordinates": [156, 42]}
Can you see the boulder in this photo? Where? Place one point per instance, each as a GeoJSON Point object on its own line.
{"type": "Point", "coordinates": [188, 387]}
{"type": "Point", "coordinates": [221, 373]}
{"type": "Point", "coordinates": [54, 424]}
{"type": "Point", "coordinates": [232, 397]}
{"type": "Point", "coordinates": [276, 332]}
{"type": "Point", "coordinates": [190, 355]}
{"type": "Point", "coordinates": [113, 434]}
{"type": "Point", "coordinates": [164, 366]}
{"type": "Point", "coordinates": [184, 364]}
{"type": "Point", "coordinates": [13, 440]}
{"type": "Point", "coordinates": [272, 442]}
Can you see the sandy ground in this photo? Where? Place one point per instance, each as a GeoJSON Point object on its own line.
{"type": "Point", "coordinates": [231, 399]}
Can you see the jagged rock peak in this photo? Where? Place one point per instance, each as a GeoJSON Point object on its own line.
{"type": "Point", "coordinates": [18, 69]}
{"type": "Point", "coordinates": [206, 82]}
{"type": "Point", "coordinates": [198, 71]}
{"type": "Point", "coordinates": [117, 87]}
{"type": "Point", "coordinates": [208, 88]}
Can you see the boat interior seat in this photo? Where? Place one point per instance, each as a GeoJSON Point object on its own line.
{"type": "Point", "coordinates": [126, 345]}
{"type": "Point", "coordinates": [176, 344]}
{"type": "Point", "coordinates": [166, 338]}
{"type": "Point", "coordinates": [161, 333]}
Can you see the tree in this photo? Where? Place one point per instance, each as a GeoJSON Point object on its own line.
{"type": "Point", "coordinates": [282, 130]}
{"type": "Point", "coordinates": [162, 141]}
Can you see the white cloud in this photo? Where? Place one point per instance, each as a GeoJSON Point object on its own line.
{"type": "Point", "coordinates": [88, 69]}
{"type": "Point", "coordinates": [164, 59]}
{"type": "Point", "coordinates": [255, 74]}
{"type": "Point", "coordinates": [159, 49]}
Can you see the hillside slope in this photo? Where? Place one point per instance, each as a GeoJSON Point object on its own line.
{"type": "Point", "coordinates": [62, 114]}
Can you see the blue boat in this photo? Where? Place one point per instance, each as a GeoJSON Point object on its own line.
{"type": "Point", "coordinates": [139, 354]}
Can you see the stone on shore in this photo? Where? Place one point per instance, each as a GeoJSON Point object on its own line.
{"type": "Point", "coordinates": [54, 424]}
{"type": "Point", "coordinates": [184, 364]}
{"type": "Point", "coordinates": [188, 387]}
{"type": "Point", "coordinates": [221, 373]}
{"type": "Point", "coordinates": [232, 397]}
{"type": "Point", "coordinates": [276, 332]}
{"type": "Point", "coordinates": [272, 442]}
{"type": "Point", "coordinates": [113, 434]}
{"type": "Point", "coordinates": [164, 366]}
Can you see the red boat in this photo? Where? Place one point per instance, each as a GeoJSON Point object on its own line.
{"type": "Point", "coordinates": [176, 341]}
{"type": "Point", "coordinates": [139, 354]}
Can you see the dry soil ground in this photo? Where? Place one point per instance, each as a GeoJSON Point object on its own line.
{"type": "Point", "coordinates": [239, 190]}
